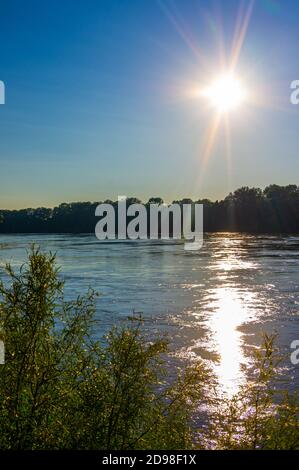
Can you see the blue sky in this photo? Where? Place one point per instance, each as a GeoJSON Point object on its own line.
{"type": "Point", "coordinates": [97, 100]}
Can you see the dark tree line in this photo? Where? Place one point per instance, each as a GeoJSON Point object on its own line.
{"type": "Point", "coordinates": [272, 210]}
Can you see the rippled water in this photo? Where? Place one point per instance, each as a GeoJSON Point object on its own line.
{"type": "Point", "coordinates": [213, 303]}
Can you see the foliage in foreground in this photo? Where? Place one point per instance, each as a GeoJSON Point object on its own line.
{"type": "Point", "coordinates": [61, 389]}
{"type": "Point", "coordinates": [260, 415]}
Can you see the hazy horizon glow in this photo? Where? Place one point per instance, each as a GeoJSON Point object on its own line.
{"type": "Point", "coordinates": [102, 99]}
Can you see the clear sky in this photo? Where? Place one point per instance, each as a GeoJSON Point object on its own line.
{"type": "Point", "coordinates": [99, 99]}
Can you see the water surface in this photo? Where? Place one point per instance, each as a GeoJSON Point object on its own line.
{"type": "Point", "coordinates": [213, 303]}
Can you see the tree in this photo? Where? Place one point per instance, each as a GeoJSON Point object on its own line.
{"type": "Point", "coordinates": [155, 200]}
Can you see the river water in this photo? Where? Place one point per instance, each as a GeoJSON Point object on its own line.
{"type": "Point", "coordinates": [213, 303]}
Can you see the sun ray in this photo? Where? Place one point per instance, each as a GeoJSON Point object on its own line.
{"type": "Point", "coordinates": [227, 92]}
{"type": "Point", "coordinates": [240, 35]}
{"type": "Point", "coordinates": [208, 146]}
{"type": "Point", "coordinates": [228, 151]}
{"type": "Point", "coordinates": [184, 33]}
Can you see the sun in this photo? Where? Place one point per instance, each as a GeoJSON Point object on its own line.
{"type": "Point", "coordinates": [226, 93]}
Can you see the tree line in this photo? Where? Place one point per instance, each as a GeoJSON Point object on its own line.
{"type": "Point", "coordinates": [272, 210]}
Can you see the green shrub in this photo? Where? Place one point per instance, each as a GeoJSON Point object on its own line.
{"type": "Point", "coordinates": [61, 389]}
{"type": "Point", "coordinates": [260, 415]}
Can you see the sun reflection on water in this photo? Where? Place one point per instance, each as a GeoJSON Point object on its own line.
{"type": "Point", "coordinates": [231, 304]}
{"type": "Point", "coordinates": [230, 311]}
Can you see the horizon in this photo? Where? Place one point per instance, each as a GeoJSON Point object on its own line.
{"type": "Point", "coordinates": [145, 200]}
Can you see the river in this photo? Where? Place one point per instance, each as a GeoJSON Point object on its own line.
{"type": "Point", "coordinates": [213, 303]}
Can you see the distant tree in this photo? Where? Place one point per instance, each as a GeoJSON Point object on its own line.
{"type": "Point", "coordinates": [283, 207]}
{"type": "Point", "coordinates": [243, 209]}
{"type": "Point", "coordinates": [155, 200]}
{"type": "Point", "coordinates": [133, 200]}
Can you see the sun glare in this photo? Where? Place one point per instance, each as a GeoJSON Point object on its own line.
{"type": "Point", "coordinates": [226, 93]}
